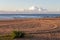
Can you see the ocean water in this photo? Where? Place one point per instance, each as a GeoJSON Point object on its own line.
{"type": "Point", "coordinates": [12, 16]}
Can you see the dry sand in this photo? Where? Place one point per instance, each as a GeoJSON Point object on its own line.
{"type": "Point", "coordinates": [30, 25]}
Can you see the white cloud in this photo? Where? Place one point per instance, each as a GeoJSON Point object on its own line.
{"type": "Point", "coordinates": [35, 8]}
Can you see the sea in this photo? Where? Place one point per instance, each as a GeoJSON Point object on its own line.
{"type": "Point", "coordinates": [14, 16]}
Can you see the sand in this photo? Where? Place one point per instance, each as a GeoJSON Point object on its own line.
{"type": "Point", "coordinates": [30, 25]}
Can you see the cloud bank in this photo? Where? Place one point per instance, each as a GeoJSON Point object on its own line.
{"type": "Point", "coordinates": [35, 9]}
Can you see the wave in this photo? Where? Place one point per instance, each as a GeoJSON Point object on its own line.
{"type": "Point", "coordinates": [28, 17]}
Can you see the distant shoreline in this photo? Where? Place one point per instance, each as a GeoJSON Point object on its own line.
{"type": "Point", "coordinates": [29, 18]}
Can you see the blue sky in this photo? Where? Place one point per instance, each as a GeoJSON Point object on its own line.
{"type": "Point", "coordinates": [18, 4]}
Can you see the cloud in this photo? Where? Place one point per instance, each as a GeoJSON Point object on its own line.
{"type": "Point", "coordinates": [35, 8]}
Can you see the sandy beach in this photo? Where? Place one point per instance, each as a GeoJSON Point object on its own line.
{"type": "Point", "coordinates": [30, 25]}
{"type": "Point", "coordinates": [40, 28]}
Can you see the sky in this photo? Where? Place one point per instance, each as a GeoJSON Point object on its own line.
{"type": "Point", "coordinates": [12, 5]}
